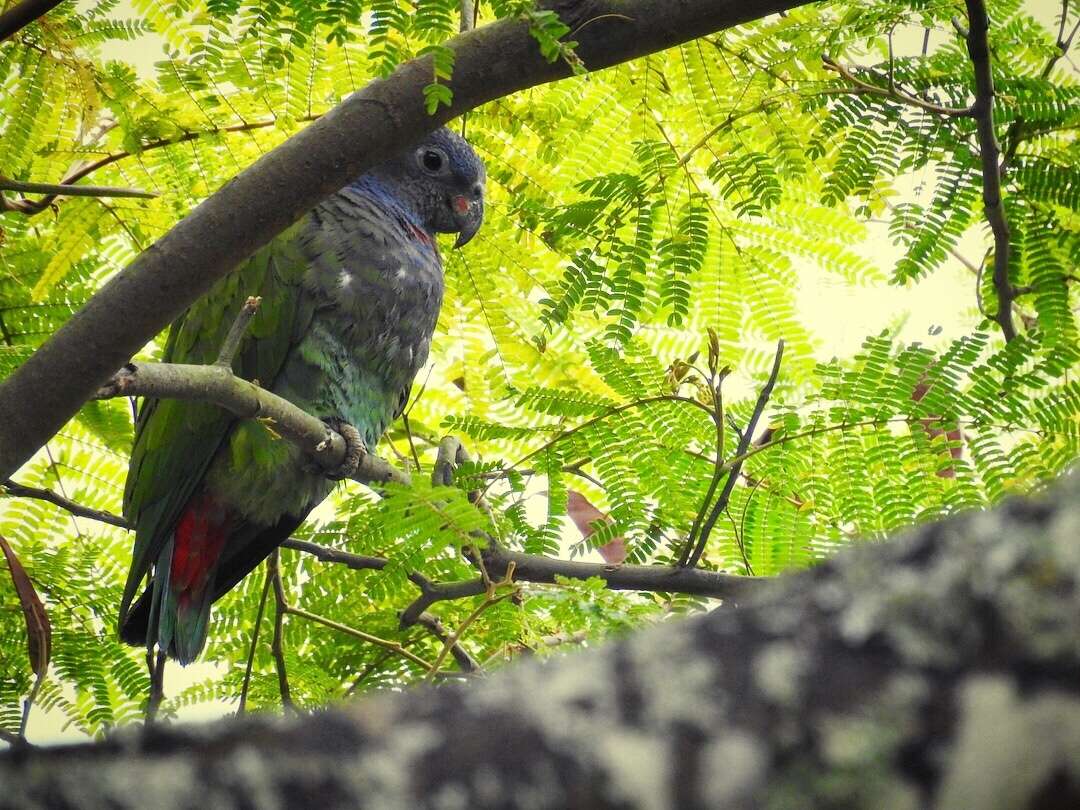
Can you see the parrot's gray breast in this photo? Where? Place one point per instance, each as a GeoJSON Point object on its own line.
{"type": "Point", "coordinates": [374, 286]}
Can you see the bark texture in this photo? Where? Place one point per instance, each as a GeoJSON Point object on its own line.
{"type": "Point", "coordinates": [260, 202]}
{"type": "Point", "coordinates": [938, 670]}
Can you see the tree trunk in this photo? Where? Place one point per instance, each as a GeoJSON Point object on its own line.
{"type": "Point", "coordinates": [941, 669]}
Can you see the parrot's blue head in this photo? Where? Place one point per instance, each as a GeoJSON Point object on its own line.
{"type": "Point", "coordinates": [443, 181]}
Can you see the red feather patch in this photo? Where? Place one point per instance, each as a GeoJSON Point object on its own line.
{"type": "Point", "coordinates": [199, 538]}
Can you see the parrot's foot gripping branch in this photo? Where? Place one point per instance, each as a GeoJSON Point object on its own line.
{"type": "Point", "coordinates": [355, 449]}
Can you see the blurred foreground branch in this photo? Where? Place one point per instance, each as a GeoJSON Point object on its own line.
{"type": "Point", "coordinates": [936, 670]}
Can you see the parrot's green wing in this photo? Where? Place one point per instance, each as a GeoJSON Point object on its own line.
{"type": "Point", "coordinates": [175, 440]}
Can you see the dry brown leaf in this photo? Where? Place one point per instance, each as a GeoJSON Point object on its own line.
{"type": "Point", "coordinates": [38, 629]}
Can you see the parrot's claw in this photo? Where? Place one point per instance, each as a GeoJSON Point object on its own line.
{"type": "Point", "coordinates": [355, 449]}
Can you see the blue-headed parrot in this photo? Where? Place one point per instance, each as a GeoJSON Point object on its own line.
{"type": "Point", "coordinates": [350, 296]}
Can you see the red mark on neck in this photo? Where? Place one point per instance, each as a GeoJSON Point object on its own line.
{"type": "Point", "coordinates": [419, 234]}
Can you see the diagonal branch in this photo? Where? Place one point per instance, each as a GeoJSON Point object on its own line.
{"type": "Point", "coordinates": [229, 346]}
{"type": "Point", "coordinates": [246, 684]}
{"type": "Point", "coordinates": [17, 18]}
{"type": "Point", "coordinates": [360, 634]}
{"type": "Point", "coordinates": [466, 663]}
{"type": "Point", "coordinates": [491, 598]}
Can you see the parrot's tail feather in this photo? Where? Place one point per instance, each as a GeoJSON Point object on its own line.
{"type": "Point", "coordinates": [173, 612]}
{"type": "Point", "coordinates": [189, 629]}
{"type": "Point", "coordinates": [186, 591]}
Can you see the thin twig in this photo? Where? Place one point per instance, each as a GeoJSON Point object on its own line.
{"type": "Point", "coordinates": [370, 668]}
{"type": "Point", "coordinates": [691, 554]}
{"type": "Point", "coordinates": [236, 332]}
{"type": "Point", "coordinates": [31, 207]}
{"type": "Point", "coordinates": [412, 444]}
{"type": "Point", "coordinates": [859, 86]}
{"type": "Point", "coordinates": [740, 535]}
{"type": "Point", "coordinates": [718, 467]}
{"type": "Point", "coordinates": [466, 663]}
{"type": "Point", "coordinates": [156, 668]}
{"type": "Point", "coordinates": [1027, 289]}
{"type": "Point", "coordinates": [251, 650]}
{"type": "Point", "coordinates": [1019, 129]}
{"type": "Point", "coordinates": [276, 645]}
{"type": "Point", "coordinates": [394, 646]}
{"type": "Point", "coordinates": [490, 599]}
{"type": "Point", "coordinates": [637, 403]}
{"type": "Point", "coordinates": [23, 491]}
{"type": "Point", "coordinates": [62, 190]}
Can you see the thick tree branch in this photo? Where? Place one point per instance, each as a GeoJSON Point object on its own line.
{"type": "Point", "coordinates": [936, 671]}
{"type": "Point", "coordinates": [247, 212]}
{"type": "Point", "coordinates": [21, 15]}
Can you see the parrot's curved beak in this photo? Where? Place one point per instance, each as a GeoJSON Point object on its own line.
{"type": "Point", "coordinates": [469, 215]}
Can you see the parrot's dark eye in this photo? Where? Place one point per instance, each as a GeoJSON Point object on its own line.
{"type": "Point", "coordinates": [433, 160]}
